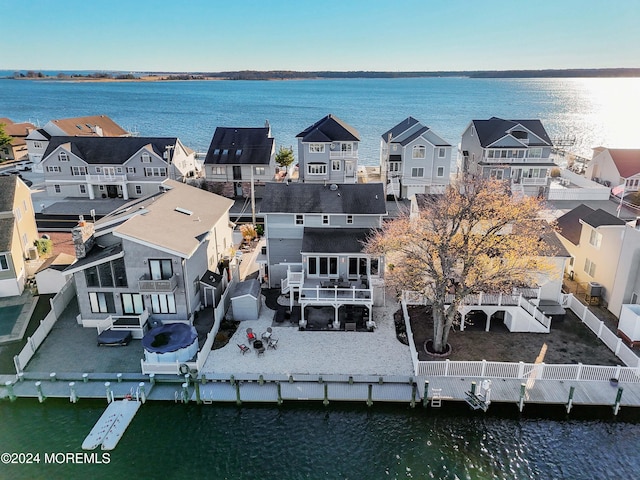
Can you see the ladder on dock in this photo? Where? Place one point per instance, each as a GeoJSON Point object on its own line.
{"type": "Point", "coordinates": [110, 427]}
{"type": "Point", "coordinates": [436, 399]}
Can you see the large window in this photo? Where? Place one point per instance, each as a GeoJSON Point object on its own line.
{"type": "Point", "coordinates": [394, 166]}
{"type": "Point", "coordinates": [317, 169]}
{"type": "Point", "coordinates": [442, 152]}
{"type": "Point", "coordinates": [217, 170]}
{"type": "Point", "coordinates": [595, 239]}
{"type": "Point", "coordinates": [54, 168]}
{"type": "Point", "coordinates": [163, 303]}
{"type": "Point", "coordinates": [102, 302]}
{"type": "Point", "coordinates": [322, 266]}
{"type": "Point", "coordinates": [109, 274]}
{"type": "Point", "coordinates": [417, 172]}
{"type": "Point", "coordinates": [132, 303]}
{"type": "Point", "coordinates": [160, 269]}
{"type": "Point", "coordinates": [4, 262]}
{"type": "Point", "coordinates": [77, 171]}
{"type": "Point", "coordinates": [259, 170]}
{"type": "Point", "coordinates": [346, 147]}
{"type": "Point", "coordinates": [316, 147]}
{"type": "Point", "coordinates": [535, 153]}
{"type": "Point", "coordinates": [155, 172]}
{"type": "Point", "coordinates": [589, 267]}
{"type": "Point", "coordinates": [419, 151]}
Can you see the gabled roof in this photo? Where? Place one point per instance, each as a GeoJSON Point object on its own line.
{"type": "Point", "coordinates": [248, 287]}
{"type": "Point", "coordinates": [495, 128]}
{"type": "Point", "coordinates": [240, 146]}
{"type": "Point", "coordinates": [39, 134]}
{"type": "Point", "coordinates": [347, 198]}
{"type": "Point", "coordinates": [8, 185]}
{"type": "Point", "coordinates": [627, 161]}
{"type": "Point", "coordinates": [569, 225]}
{"type": "Point", "coordinates": [329, 129]}
{"type": "Point", "coordinates": [18, 129]}
{"type": "Point", "coordinates": [110, 150]}
{"type": "Point", "coordinates": [401, 127]}
{"type": "Point", "coordinates": [600, 218]}
{"type": "Point", "coordinates": [334, 240]}
{"type": "Point", "coordinates": [85, 126]}
{"type": "Point", "coordinates": [409, 129]}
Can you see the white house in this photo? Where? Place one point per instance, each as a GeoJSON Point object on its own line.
{"type": "Point", "coordinates": [615, 166]}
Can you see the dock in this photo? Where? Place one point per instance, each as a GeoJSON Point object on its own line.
{"type": "Point", "coordinates": [110, 427]}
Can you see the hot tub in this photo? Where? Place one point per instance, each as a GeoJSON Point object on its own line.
{"type": "Point", "coordinates": [170, 343]}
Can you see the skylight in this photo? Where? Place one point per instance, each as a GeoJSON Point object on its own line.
{"type": "Point", "coordinates": [184, 211]}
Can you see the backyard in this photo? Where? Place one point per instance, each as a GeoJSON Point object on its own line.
{"type": "Point", "coordinates": [569, 342]}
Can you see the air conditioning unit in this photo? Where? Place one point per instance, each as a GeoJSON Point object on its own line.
{"type": "Point", "coordinates": [594, 290]}
{"type": "Point", "coordinates": [32, 253]}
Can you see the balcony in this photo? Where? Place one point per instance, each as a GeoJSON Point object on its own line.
{"type": "Point", "coordinates": [331, 292]}
{"type": "Point", "coordinates": [145, 284]}
{"type": "Point", "coordinates": [105, 178]}
{"type": "Point", "coordinates": [531, 181]}
{"type": "Point", "coordinates": [339, 155]}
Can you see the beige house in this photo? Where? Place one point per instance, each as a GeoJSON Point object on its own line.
{"type": "Point", "coordinates": [18, 132]}
{"type": "Point", "coordinates": [615, 166]}
{"type": "Point", "coordinates": [18, 232]}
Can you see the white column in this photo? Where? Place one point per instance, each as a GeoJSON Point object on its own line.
{"type": "Point", "coordinates": [92, 195]}
{"type": "Point", "coordinates": [125, 191]}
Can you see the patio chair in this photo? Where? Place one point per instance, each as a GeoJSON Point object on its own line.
{"type": "Point", "coordinates": [251, 337]}
{"type": "Point", "coordinates": [243, 348]}
{"type": "Point", "coordinates": [267, 335]}
{"type": "Point", "coordinates": [273, 343]}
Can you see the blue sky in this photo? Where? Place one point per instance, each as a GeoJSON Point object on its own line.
{"type": "Point", "coordinates": [394, 35]}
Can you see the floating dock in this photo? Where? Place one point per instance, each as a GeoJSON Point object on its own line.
{"type": "Point", "coordinates": [110, 427]}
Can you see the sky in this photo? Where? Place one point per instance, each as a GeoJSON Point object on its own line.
{"type": "Point", "coordinates": [341, 35]}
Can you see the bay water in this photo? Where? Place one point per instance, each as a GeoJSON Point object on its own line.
{"type": "Point", "coordinates": [309, 441]}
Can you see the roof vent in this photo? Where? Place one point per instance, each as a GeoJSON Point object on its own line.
{"type": "Point", "coordinates": [333, 187]}
{"type": "Point", "coordinates": [184, 211]}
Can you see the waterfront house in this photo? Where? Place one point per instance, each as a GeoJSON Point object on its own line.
{"type": "Point", "coordinates": [615, 166]}
{"type": "Point", "coordinates": [314, 247]}
{"type": "Point", "coordinates": [241, 158]}
{"type": "Point", "coordinates": [605, 252]}
{"type": "Point", "coordinates": [414, 159]}
{"type": "Point", "coordinates": [110, 167]}
{"type": "Point", "coordinates": [147, 259]}
{"type": "Point", "coordinates": [17, 149]}
{"type": "Point", "coordinates": [18, 232]}
{"type": "Point", "coordinates": [328, 152]}
{"type": "Point", "coordinates": [518, 150]}
{"type": "Point", "coordinates": [91, 126]}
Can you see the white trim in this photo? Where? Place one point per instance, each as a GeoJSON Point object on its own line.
{"type": "Point", "coordinates": [155, 246]}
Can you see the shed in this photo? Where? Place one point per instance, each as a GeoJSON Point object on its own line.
{"type": "Point", "coordinates": [245, 300]}
{"type": "Point", "coordinates": [50, 277]}
{"type": "Point", "coordinates": [213, 284]}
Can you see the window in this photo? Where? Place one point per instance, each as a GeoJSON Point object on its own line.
{"type": "Point", "coordinates": [132, 303]}
{"type": "Point", "coordinates": [317, 169]}
{"type": "Point", "coordinates": [160, 269]}
{"type": "Point", "coordinates": [76, 171]}
{"type": "Point", "coordinates": [419, 151]}
{"type": "Point", "coordinates": [155, 172]}
{"type": "Point", "coordinates": [595, 239]}
{"type": "Point", "coordinates": [163, 303]}
{"type": "Point", "coordinates": [346, 147]}
{"type": "Point", "coordinates": [56, 188]}
{"type": "Point", "coordinates": [25, 240]}
{"type": "Point", "coordinates": [101, 302]}
{"type": "Point", "coordinates": [83, 189]}
{"type": "Point", "coordinates": [216, 151]}
{"type": "Point", "coordinates": [323, 266]}
{"type": "Point", "coordinates": [442, 152]}
{"type": "Point", "coordinates": [54, 168]}
{"type": "Point", "coordinates": [535, 153]}
{"type": "Point", "coordinates": [589, 267]}
{"type": "Point", "coordinates": [98, 169]}
{"type": "Point", "coordinates": [131, 169]}
{"type": "Point", "coordinates": [24, 205]}
{"type": "Point", "coordinates": [259, 170]}
{"type": "Point", "coordinates": [316, 148]}
{"type": "Point", "coordinates": [440, 172]}
{"type": "Point", "coordinates": [417, 172]}
{"type": "Point", "coordinates": [394, 166]}
{"type": "Point", "coordinates": [496, 173]}
{"type": "Point", "coordinates": [37, 145]}
{"type": "Point", "coordinates": [63, 157]}
{"type": "Point", "coordinates": [4, 263]}
{"type": "Point", "coordinates": [138, 189]}
{"type": "Point", "coordinates": [145, 157]}
{"type": "Point", "coordinates": [336, 165]}
{"type": "Point", "coordinates": [325, 219]}
{"type": "Point", "coordinates": [217, 170]}
{"type": "Point", "coordinates": [118, 169]}
{"type": "Point", "coordinates": [107, 274]}
{"type": "Point", "coordinates": [349, 219]}
{"type": "Point", "coordinates": [18, 214]}
{"type": "Point", "coordinates": [299, 219]}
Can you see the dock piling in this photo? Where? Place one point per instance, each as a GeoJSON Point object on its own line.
{"type": "Point", "coordinates": [279, 393]}
{"type": "Point", "coordinates": [616, 407]}
{"type": "Point", "coordinates": [9, 385]}
{"type": "Point", "coordinates": [425, 399]}
{"type": "Point", "coordinates": [238, 399]}
{"type": "Point", "coordinates": [52, 376]}
{"type": "Point", "coordinates": [119, 377]}
{"type": "Point", "coordinates": [197, 387]}
{"type": "Point", "coordinates": [107, 386]}
{"type": "Point", "coordinates": [85, 377]}
{"type": "Point", "coordinates": [414, 391]}
{"type": "Point", "coordinates": [325, 402]}
{"type": "Point", "coordinates": [370, 395]}
{"type": "Point", "coordinates": [570, 401]}
{"type": "Point", "coordinates": [523, 389]}
{"type": "Point", "coordinates": [185, 392]}
{"type": "Point", "coordinates": [143, 395]}
{"type": "Point", "coordinates": [41, 396]}
{"type": "Point", "coordinates": [73, 396]}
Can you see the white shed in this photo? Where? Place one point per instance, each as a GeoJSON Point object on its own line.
{"type": "Point", "coordinates": [50, 277]}
{"type": "Point", "coordinates": [245, 300]}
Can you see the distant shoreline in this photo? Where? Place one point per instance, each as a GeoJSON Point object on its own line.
{"type": "Point", "coordinates": [298, 75]}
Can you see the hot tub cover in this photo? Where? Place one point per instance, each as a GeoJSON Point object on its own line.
{"type": "Point", "coordinates": [179, 335]}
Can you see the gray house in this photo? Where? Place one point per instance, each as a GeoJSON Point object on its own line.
{"type": "Point", "coordinates": [315, 236]}
{"type": "Point", "coordinates": [146, 259]}
{"type": "Point", "coordinates": [509, 149]}
{"type": "Point", "coordinates": [328, 152]}
{"type": "Point", "coordinates": [125, 167]}
{"type": "Point", "coordinates": [241, 156]}
{"type": "Point", "coordinates": [414, 159]}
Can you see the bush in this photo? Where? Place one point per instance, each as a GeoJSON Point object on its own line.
{"type": "Point", "coordinates": [555, 172]}
{"type": "Point", "coordinates": [44, 246]}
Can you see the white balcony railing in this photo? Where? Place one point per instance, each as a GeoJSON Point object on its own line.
{"type": "Point", "coordinates": [323, 296]}
{"type": "Point", "coordinates": [145, 284]}
{"type": "Point", "coordinates": [531, 181]}
{"type": "Point", "coordinates": [105, 178]}
{"type": "Point", "coordinates": [336, 155]}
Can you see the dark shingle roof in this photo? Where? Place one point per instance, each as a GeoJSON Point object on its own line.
{"type": "Point", "coordinates": [110, 150]}
{"type": "Point", "coordinates": [245, 146]}
{"type": "Point", "coordinates": [247, 287]}
{"type": "Point", "coordinates": [334, 240]}
{"type": "Point", "coordinates": [569, 225]}
{"type": "Point", "coordinates": [399, 128]}
{"type": "Point", "coordinates": [348, 198]}
{"type": "Point", "coordinates": [329, 129]}
{"type": "Point", "coordinates": [212, 279]}
{"type": "Point", "coordinates": [495, 128]}
{"type": "Point", "coordinates": [8, 185]}
{"type": "Point", "coordinates": [6, 233]}
{"type": "Point", "coordinates": [96, 255]}
{"type": "Point", "coordinates": [600, 218]}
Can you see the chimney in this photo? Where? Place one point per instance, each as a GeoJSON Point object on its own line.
{"type": "Point", "coordinates": [82, 236]}
{"type": "Point", "coordinates": [98, 130]}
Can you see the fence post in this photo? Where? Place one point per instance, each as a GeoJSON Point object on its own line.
{"type": "Point", "coordinates": [520, 369]}
{"type": "Point", "coordinates": [618, 345]}
{"type": "Point", "coordinates": [579, 372]}
{"type": "Point", "coordinates": [446, 367]}
{"type": "Point", "coordinates": [484, 366]}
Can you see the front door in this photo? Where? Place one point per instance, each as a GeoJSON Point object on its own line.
{"type": "Point", "coordinates": [237, 172]}
{"type": "Point", "coordinates": [112, 191]}
{"type": "Point", "coordinates": [349, 168]}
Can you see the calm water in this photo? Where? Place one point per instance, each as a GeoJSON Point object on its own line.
{"type": "Point", "coordinates": [341, 441]}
